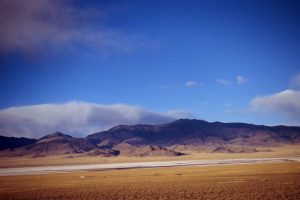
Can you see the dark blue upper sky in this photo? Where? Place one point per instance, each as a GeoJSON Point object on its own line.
{"type": "Point", "coordinates": [209, 58]}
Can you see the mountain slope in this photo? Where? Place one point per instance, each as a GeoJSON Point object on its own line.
{"type": "Point", "coordinates": [13, 142]}
{"type": "Point", "coordinates": [60, 144]}
{"type": "Point", "coordinates": [197, 134]}
{"type": "Point", "coordinates": [159, 140]}
{"type": "Point", "coordinates": [144, 150]}
{"type": "Point", "coordinates": [55, 144]}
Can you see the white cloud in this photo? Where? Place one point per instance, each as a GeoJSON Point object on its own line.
{"type": "Point", "coordinates": [192, 84]}
{"type": "Point", "coordinates": [223, 82]}
{"type": "Point", "coordinates": [241, 80]}
{"type": "Point", "coordinates": [285, 104]}
{"type": "Point", "coordinates": [295, 82]}
{"type": "Point", "coordinates": [77, 118]}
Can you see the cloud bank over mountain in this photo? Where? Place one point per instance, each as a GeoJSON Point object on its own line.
{"type": "Point", "coordinates": [76, 118]}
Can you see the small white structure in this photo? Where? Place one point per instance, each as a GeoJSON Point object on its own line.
{"type": "Point", "coordinates": [82, 177]}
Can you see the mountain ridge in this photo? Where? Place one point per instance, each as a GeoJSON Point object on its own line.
{"type": "Point", "coordinates": [183, 128]}
{"type": "Point", "coordinates": [165, 139]}
{"type": "Point", "coordinates": [14, 142]}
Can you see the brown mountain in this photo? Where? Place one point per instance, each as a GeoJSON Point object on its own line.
{"type": "Point", "coordinates": [161, 140]}
{"type": "Point", "coordinates": [13, 142]}
{"type": "Point", "coordinates": [59, 144]}
{"type": "Point", "coordinates": [186, 134]}
{"type": "Point", "coordinates": [144, 150]}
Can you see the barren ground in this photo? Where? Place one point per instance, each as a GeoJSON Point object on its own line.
{"type": "Point", "coordinates": [247, 181]}
{"type": "Point", "coordinates": [26, 161]}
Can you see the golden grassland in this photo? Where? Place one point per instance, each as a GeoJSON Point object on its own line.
{"type": "Point", "coordinates": [246, 181]}
{"type": "Point", "coordinates": [26, 161]}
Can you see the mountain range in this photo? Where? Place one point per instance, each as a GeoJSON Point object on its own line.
{"type": "Point", "coordinates": [171, 139]}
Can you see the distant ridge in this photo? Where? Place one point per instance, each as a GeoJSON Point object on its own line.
{"type": "Point", "coordinates": [200, 135]}
{"type": "Point", "coordinates": [59, 144]}
{"type": "Point", "coordinates": [14, 142]}
{"type": "Point", "coordinates": [160, 140]}
{"type": "Point", "coordinates": [189, 131]}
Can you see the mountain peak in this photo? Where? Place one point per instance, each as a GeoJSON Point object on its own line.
{"type": "Point", "coordinates": [55, 134]}
{"type": "Point", "coordinates": [189, 121]}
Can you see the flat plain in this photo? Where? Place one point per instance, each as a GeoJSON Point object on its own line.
{"type": "Point", "coordinates": [244, 181]}
{"type": "Point", "coordinates": [278, 180]}
{"type": "Point", "coordinates": [284, 151]}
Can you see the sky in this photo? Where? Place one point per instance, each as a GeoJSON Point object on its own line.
{"type": "Point", "coordinates": [84, 66]}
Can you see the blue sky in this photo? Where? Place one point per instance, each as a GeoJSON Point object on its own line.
{"type": "Point", "coordinates": [204, 59]}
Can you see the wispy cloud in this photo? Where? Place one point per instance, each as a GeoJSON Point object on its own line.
{"type": "Point", "coordinates": [36, 26]}
{"type": "Point", "coordinates": [295, 82]}
{"type": "Point", "coordinates": [227, 105]}
{"type": "Point", "coordinates": [77, 118]}
{"type": "Point", "coordinates": [161, 86]}
{"type": "Point", "coordinates": [192, 84]}
{"type": "Point", "coordinates": [180, 113]}
{"type": "Point", "coordinates": [241, 80]}
{"type": "Point", "coordinates": [223, 82]}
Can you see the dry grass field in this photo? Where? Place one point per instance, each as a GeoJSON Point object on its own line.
{"type": "Point", "coordinates": [247, 181]}
{"type": "Point", "coordinates": [26, 161]}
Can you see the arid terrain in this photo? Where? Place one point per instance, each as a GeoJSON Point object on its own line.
{"type": "Point", "coordinates": [149, 100]}
{"type": "Point", "coordinates": [180, 138]}
{"type": "Point", "coordinates": [270, 180]}
{"type": "Point", "coordinates": [248, 181]}
{"type": "Point", "coordinates": [185, 159]}
{"type": "Point", "coordinates": [77, 159]}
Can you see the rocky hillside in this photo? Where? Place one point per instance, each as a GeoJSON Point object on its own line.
{"type": "Point", "coordinates": [186, 134]}
{"type": "Point", "coordinates": [13, 142]}
{"type": "Point", "coordinates": [158, 140]}
{"type": "Point", "coordinates": [58, 144]}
